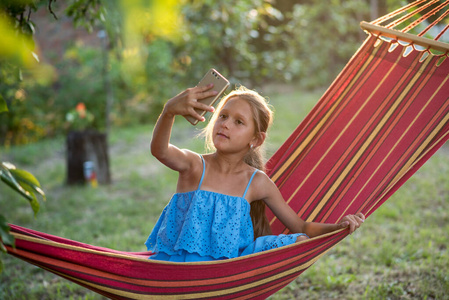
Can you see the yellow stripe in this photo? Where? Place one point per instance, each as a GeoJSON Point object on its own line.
{"type": "Point", "coordinates": [413, 160]}
{"type": "Point", "coordinates": [144, 282]}
{"type": "Point", "coordinates": [428, 139]}
{"type": "Point", "coordinates": [313, 215]}
{"type": "Point", "coordinates": [411, 166]}
{"type": "Point", "coordinates": [369, 140]}
{"type": "Point", "coordinates": [391, 150]}
{"type": "Point", "coordinates": [329, 149]}
{"type": "Point", "coordinates": [24, 237]}
{"type": "Point", "coordinates": [301, 147]}
{"type": "Point", "coordinates": [133, 295]}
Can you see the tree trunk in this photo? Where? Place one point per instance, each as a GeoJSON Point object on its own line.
{"type": "Point", "coordinates": [83, 146]}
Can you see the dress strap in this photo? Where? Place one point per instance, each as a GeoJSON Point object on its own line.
{"type": "Point", "coordinates": [204, 171]}
{"type": "Point", "coordinates": [249, 183]}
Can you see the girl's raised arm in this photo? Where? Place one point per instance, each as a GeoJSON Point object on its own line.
{"type": "Point", "coordinates": [183, 104]}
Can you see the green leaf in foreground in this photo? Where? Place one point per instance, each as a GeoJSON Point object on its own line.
{"type": "Point", "coordinates": [23, 182]}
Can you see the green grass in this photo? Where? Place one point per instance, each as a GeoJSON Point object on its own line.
{"type": "Point", "coordinates": [399, 253]}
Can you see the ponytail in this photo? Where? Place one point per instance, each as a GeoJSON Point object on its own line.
{"type": "Point", "coordinates": [261, 225]}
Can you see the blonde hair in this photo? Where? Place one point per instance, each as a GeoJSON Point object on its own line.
{"type": "Point", "coordinates": [263, 118]}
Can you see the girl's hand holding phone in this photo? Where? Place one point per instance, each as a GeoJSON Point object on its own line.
{"type": "Point", "coordinates": [220, 84]}
{"type": "Point", "coordinates": [187, 102]}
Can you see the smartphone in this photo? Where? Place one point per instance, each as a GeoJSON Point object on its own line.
{"type": "Point", "coordinates": [220, 85]}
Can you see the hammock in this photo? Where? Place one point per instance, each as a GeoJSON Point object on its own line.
{"type": "Point", "coordinates": [376, 125]}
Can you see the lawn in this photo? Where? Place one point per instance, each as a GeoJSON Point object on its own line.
{"type": "Point", "coordinates": [399, 253]}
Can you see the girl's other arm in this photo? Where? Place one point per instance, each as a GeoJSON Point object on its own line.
{"type": "Point", "coordinates": [182, 104]}
{"type": "Point", "coordinates": [294, 223]}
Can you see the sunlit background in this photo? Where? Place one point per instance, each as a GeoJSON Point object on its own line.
{"type": "Point", "coordinates": [108, 66]}
{"type": "Point", "coordinates": [124, 59]}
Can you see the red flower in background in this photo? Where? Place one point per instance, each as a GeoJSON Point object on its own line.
{"type": "Point", "coordinates": [81, 109]}
{"type": "Point", "coordinates": [79, 118]}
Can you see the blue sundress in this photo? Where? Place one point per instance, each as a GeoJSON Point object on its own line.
{"type": "Point", "coordinates": [204, 226]}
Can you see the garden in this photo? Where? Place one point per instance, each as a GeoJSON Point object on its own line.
{"type": "Point", "coordinates": [147, 53]}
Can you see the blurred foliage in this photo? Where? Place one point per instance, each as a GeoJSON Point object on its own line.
{"type": "Point", "coordinates": [258, 41]}
{"type": "Point", "coordinates": [79, 118]}
{"type": "Point", "coordinates": [153, 49]}
{"type": "Point", "coordinates": [17, 54]}
{"type": "Point", "coordinates": [23, 75]}
{"type": "Point", "coordinates": [37, 109]}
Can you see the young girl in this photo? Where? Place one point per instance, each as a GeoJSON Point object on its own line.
{"type": "Point", "coordinates": [218, 210]}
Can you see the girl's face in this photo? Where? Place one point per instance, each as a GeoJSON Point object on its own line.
{"type": "Point", "coordinates": [234, 129]}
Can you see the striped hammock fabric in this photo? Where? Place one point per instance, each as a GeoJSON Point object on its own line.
{"type": "Point", "coordinates": [381, 119]}
{"type": "Point", "coordinates": [376, 125]}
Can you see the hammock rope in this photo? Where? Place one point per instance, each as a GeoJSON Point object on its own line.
{"type": "Point", "coordinates": [381, 119]}
{"type": "Point", "coordinates": [434, 23]}
{"type": "Point", "coordinates": [398, 11]}
{"type": "Point", "coordinates": [425, 17]}
{"type": "Point", "coordinates": [415, 9]}
{"type": "Point", "coordinates": [411, 14]}
{"type": "Point", "coordinates": [442, 31]}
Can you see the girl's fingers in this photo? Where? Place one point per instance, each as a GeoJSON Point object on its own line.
{"type": "Point", "coordinates": [204, 88]}
{"type": "Point", "coordinates": [344, 224]}
{"type": "Point", "coordinates": [198, 91]}
{"type": "Point", "coordinates": [353, 222]}
{"type": "Point", "coordinates": [205, 94]}
{"type": "Point", "coordinates": [203, 106]}
{"type": "Point", "coordinates": [202, 95]}
{"type": "Point", "coordinates": [196, 115]}
{"type": "Point", "coordinates": [202, 92]}
{"type": "Point", "coordinates": [361, 216]}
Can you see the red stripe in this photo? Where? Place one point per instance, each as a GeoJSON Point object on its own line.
{"type": "Point", "coordinates": [365, 161]}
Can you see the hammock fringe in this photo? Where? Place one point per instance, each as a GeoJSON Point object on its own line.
{"type": "Point", "coordinates": [406, 37]}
